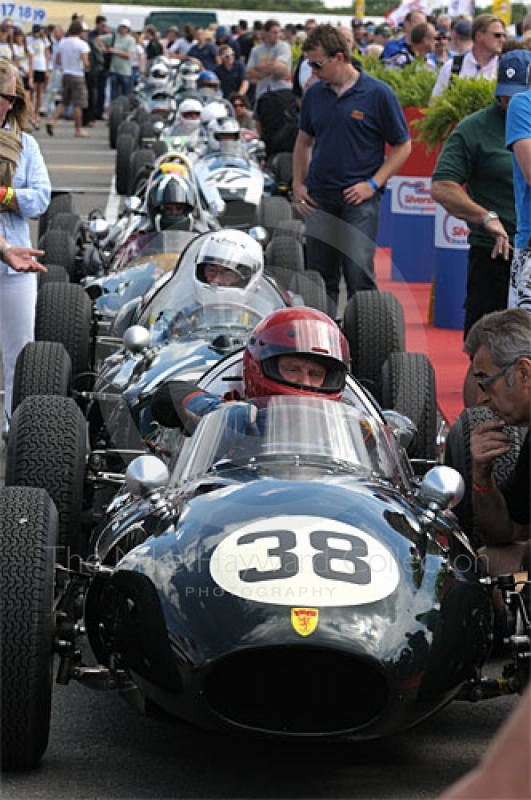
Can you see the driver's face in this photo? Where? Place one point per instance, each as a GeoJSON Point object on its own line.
{"type": "Point", "coordinates": [174, 209]}
{"type": "Point", "coordinates": [304, 371]}
{"type": "Point", "coordinates": [220, 276]}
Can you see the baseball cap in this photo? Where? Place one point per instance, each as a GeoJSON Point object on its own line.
{"type": "Point", "coordinates": [514, 73]}
{"type": "Point", "coordinates": [125, 23]}
{"type": "Point", "coordinates": [463, 28]}
{"type": "Point", "coordinates": [222, 31]}
{"type": "Point", "coordinates": [357, 23]}
{"type": "Point", "coordinates": [383, 30]}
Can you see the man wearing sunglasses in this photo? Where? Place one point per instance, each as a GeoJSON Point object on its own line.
{"type": "Point", "coordinates": [488, 37]}
{"type": "Point", "coordinates": [339, 163]}
{"type": "Point", "coordinates": [500, 347]}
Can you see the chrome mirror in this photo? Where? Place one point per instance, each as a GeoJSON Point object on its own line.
{"type": "Point", "coordinates": [145, 475]}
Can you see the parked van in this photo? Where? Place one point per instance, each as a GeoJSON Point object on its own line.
{"type": "Point", "coordinates": [162, 20]}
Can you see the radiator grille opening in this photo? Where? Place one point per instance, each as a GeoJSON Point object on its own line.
{"type": "Point", "coordinates": [296, 690]}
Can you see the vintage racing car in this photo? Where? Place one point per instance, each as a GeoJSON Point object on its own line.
{"type": "Point", "coordinates": [291, 581]}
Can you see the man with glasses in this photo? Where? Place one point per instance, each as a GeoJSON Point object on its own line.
{"type": "Point", "coordinates": [488, 37]}
{"type": "Point", "coordinates": [339, 167]}
{"type": "Point", "coordinates": [500, 347]}
{"type": "Point", "coordinates": [231, 73]}
{"type": "Point", "coordinates": [518, 139]}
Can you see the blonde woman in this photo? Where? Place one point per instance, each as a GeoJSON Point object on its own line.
{"type": "Point", "coordinates": [25, 67]}
{"type": "Point", "coordinates": [24, 194]}
{"type": "Point", "coordinates": [39, 47]}
{"type": "Point", "coordinates": [6, 43]}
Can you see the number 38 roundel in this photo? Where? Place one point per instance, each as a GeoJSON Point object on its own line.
{"type": "Point", "coordinates": [292, 560]}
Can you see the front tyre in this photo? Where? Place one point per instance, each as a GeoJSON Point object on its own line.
{"type": "Point", "coordinates": [46, 448]}
{"type": "Point", "coordinates": [28, 532]}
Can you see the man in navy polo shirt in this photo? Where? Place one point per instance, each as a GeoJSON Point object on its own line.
{"type": "Point", "coordinates": [339, 164]}
{"type": "Point", "coordinates": [203, 52]}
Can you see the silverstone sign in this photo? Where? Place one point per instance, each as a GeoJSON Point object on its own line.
{"type": "Point", "coordinates": [411, 195]}
{"type": "Point", "coordinates": [451, 233]}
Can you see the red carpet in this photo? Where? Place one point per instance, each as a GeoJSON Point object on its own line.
{"type": "Point", "coordinates": [443, 347]}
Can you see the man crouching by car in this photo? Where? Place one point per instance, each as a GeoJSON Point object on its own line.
{"type": "Point", "coordinates": [499, 345]}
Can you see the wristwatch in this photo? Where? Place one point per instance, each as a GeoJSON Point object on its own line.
{"type": "Point", "coordinates": [489, 217]}
{"type": "Point", "coordinates": [4, 249]}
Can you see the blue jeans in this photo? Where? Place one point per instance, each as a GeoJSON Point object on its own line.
{"type": "Point", "coordinates": [120, 84]}
{"type": "Point", "coordinates": [340, 236]}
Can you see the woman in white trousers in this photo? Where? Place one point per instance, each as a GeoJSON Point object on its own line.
{"type": "Point", "coordinates": [22, 198]}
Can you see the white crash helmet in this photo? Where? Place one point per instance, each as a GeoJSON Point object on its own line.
{"type": "Point", "coordinates": [236, 251]}
{"type": "Point", "coordinates": [159, 72]}
{"type": "Point", "coordinates": [226, 129]}
{"type": "Point", "coordinates": [189, 106]}
{"type": "Point", "coordinates": [188, 74]}
{"type": "Point", "coordinates": [215, 110]}
{"type": "Point", "coordinates": [171, 188]}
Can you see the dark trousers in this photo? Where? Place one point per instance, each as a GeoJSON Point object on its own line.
{"type": "Point", "coordinates": [341, 238]}
{"type": "Point", "coordinates": [487, 284]}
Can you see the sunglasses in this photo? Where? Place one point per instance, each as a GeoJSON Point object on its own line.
{"type": "Point", "coordinates": [239, 105]}
{"type": "Point", "coordinates": [9, 98]}
{"type": "Point", "coordinates": [441, 38]}
{"type": "Point", "coordinates": [228, 55]}
{"type": "Point", "coordinates": [498, 35]}
{"type": "Point", "coordinates": [187, 114]}
{"type": "Point", "coordinates": [485, 383]}
{"type": "Point", "coordinates": [318, 65]}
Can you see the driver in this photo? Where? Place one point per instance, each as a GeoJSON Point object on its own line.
{"type": "Point", "coordinates": [293, 351]}
{"type": "Point", "coordinates": [223, 270]}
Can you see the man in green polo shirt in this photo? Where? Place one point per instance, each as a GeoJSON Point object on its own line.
{"type": "Point", "coordinates": [473, 180]}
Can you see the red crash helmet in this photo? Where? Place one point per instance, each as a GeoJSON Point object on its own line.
{"type": "Point", "coordinates": [299, 332]}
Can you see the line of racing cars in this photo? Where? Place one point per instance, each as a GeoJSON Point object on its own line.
{"type": "Point", "coordinates": [208, 574]}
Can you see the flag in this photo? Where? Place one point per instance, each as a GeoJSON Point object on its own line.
{"type": "Point", "coordinates": [399, 14]}
{"type": "Point", "coordinates": [458, 7]}
{"type": "Point", "coordinates": [502, 9]}
{"type": "Point", "coordinates": [359, 8]}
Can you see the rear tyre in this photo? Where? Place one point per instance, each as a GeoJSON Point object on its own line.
{"type": "Point", "coordinates": [457, 455]}
{"type": "Point", "coordinates": [41, 368]}
{"type": "Point", "coordinates": [116, 114]}
{"type": "Point", "coordinates": [46, 448]}
{"type": "Point", "coordinates": [131, 128]}
{"type": "Point", "coordinates": [374, 327]}
{"type": "Point", "coordinates": [140, 167]}
{"type": "Point", "coordinates": [147, 131]}
{"type": "Point", "coordinates": [124, 150]}
{"type": "Point", "coordinates": [159, 148]}
{"type": "Point", "coordinates": [64, 314]}
{"type": "Point", "coordinates": [55, 274]}
{"type": "Point", "coordinates": [282, 166]}
{"type": "Point", "coordinates": [59, 204]}
{"type": "Point", "coordinates": [291, 227]}
{"type": "Point", "coordinates": [28, 532]}
{"type": "Point", "coordinates": [286, 253]}
{"type": "Point", "coordinates": [408, 386]}
{"type": "Point", "coordinates": [311, 286]}
{"type": "Point", "coordinates": [272, 211]}
{"type": "Point", "coordinates": [59, 248]}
